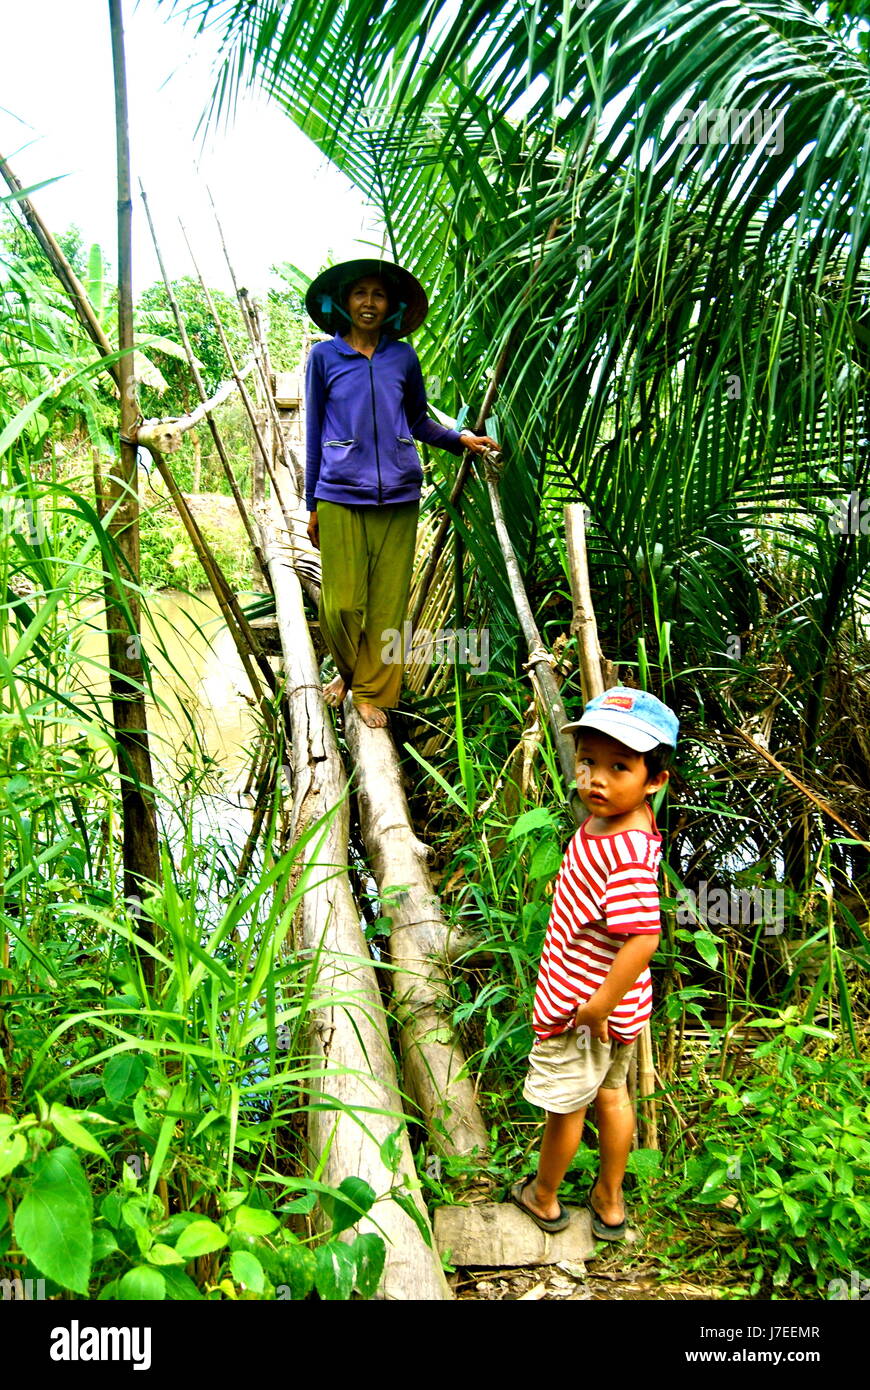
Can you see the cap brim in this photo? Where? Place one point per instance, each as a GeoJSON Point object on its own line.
{"type": "Point", "coordinates": [632, 737]}
{"type": "Point", "coordinates": [400, 281]}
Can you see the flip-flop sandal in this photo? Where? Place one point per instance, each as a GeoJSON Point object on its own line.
{"type": "Point", "coordinates": [558, 1223]}
{"type": "Point", "coordinates": [600, 1229]}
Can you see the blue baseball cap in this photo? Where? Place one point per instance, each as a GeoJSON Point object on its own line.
{"type": "Point", "coordinates": [632, 717]}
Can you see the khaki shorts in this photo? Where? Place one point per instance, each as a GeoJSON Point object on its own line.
{"type": "Point", "coordinates": [568, 1071]}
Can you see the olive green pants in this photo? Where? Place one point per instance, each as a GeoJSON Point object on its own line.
{"type": "Point", "coordinates": [366, 556]}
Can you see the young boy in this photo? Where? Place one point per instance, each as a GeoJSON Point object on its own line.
{"type": "Point", "coordinates": [594, 995]}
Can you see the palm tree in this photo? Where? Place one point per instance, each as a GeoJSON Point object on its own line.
{"type": "Point", "coordinates": [652, 222]}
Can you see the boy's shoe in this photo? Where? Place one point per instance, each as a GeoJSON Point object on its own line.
{"type": "Point", "coordinates": [558, 1223]}
{"type": "Point", "coordinates": [600, 1229]}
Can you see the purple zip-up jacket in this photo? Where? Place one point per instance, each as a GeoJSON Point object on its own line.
{"type": "Point", "coordinates": [362, 417]}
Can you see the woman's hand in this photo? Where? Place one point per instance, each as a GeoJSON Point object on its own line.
{"type": "Point", "coordinates": [478, 442]}
{"type": "Point", "coordinates": [314, 530]}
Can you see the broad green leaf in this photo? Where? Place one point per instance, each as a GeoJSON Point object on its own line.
{"type": "Point", "coordinates": [142, 1284]}
{"type": "Point", "coordinates": [53, 1220]}
{"type": "Point", "coordinates": [179, 1286]}
{"type": "Point", "coordinates": [536, 819]}
{"type": "Point", "coordinates": [123, 1075]}
{"type": "Point", "coordinates": [369, 1253]}
{"type": "Point", "coordinates": [200, 1238]}
{"type": "Point", "coordinates": [13, 1148]}
{"type": "Point", "coordinates": [705, 944]}
{"type": "Point", "coordinates": [169, 1229]}
{"type": "Point", "coordinates": [134, 1214]}
{"type": "Point", "coordinates": [546, 860]}
{"type": "Point", "coordinates": [345, 1207]}
{"type": "Point", "coordinates": [104, 1244]}
{"type": "Point", "coordinates": [160, 1254]}
{"type": "Point", "coordinates": [645, 1162]}
{"type": "Point", "coordinates": [255, 1221]}
{"type": "Point", "coordinates": [111, 1209]}
{"type": "Point", "coordinates": [301, 1205]}
{"type": "Point", "coordinates": [298, 1268]}
{"type": "Point", "coordinates": [334, 1270]}
{"type": "Point", "coordinates": [247, 1270]}
{"type": "Point", "coordinates": [66, 1123]}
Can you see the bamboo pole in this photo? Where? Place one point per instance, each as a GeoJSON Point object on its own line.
{"type": "Point", "coordinates": [126, 670]}
{"type": "Point", "coordinates": [596, 672]}
{"type": "Point", "coordinates": [540, 662]}
{"type": "Point", "coordinates": [355, 1074]}
{"type": "Point", "coordinates": [265, 788]}
{"type": "Point", "coordinates": [433, 1060]}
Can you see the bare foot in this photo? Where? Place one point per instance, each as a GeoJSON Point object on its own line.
{"type": "Point", "coordinates": [335, 692]}
{"type": "Point", "coordinates": [529, 1198]}
{"type": "Point", "coordinates": [371, 714]}
{"type": "Point", "coordinates": [610, 1212]}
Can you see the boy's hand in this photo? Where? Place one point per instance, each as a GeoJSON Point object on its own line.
{"type": "Point", "coordinates": [595, 1022]}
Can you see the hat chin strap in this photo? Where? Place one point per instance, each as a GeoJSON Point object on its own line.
{"type": "Point", "coordinates": [395, 319]}
{"type": "Point", "coordinates": [328, 307]}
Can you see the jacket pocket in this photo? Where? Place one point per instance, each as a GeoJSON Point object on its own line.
{"type": "Point", "coordinates": [407, 466]}
{"type": "Point", "coordinates": [339, 466]}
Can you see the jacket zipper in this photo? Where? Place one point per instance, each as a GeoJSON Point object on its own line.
{"type": "Point", "coordinates": [375, 431]}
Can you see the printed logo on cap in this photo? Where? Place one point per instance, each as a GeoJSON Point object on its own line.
{"type": "Point", "coordinates": [617, 702]}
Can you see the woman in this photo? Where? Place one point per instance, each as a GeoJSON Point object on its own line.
{"type": "Point", "coordinates": [365, 404]}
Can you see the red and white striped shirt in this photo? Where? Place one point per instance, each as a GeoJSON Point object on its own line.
{"type": "Point", "coordinates": [605, 891]}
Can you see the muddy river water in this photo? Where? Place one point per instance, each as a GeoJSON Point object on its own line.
{"type": "Point", "coordinates": [201, 725]}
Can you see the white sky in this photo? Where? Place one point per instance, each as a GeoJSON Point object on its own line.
{"type": "Point", "coordinates": [277, 198]}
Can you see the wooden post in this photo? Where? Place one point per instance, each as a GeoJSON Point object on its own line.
{"type": "Point", "coordinates": [596, 673]}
